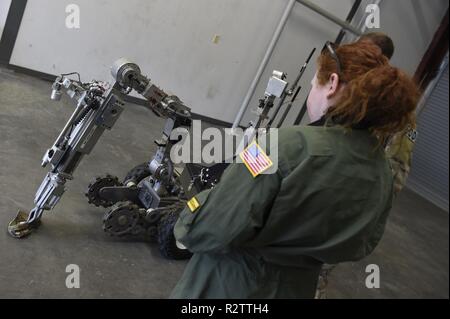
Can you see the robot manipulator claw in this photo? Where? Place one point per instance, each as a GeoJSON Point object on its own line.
{"type": "Point", "coordinates": [46, 198]}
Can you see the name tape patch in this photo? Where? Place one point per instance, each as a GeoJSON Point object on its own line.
{"type": "Point", "coordinates": [193, 204]}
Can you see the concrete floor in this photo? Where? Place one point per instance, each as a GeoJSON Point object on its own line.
{"type": "Point", "coordinates": [413, 256]}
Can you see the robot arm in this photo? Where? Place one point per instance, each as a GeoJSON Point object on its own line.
{"type": "Point", "coordinates": [97, 108]}
{"type": "Point", "coordinates": [129, 76]}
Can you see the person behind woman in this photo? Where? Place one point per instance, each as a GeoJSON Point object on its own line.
{"type": "Point", "coordinates": [328, 201]}
{"type": "Point", "coordinates": [381, 40]}
{"type": "Point", "coordinates": [400, 148]}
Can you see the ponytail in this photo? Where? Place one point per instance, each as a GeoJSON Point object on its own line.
{"type": "Point", "coordinates": [376, 95]}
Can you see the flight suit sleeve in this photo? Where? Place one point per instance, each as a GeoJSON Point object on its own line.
{"type": "Point", "coordinates": [230, 214]}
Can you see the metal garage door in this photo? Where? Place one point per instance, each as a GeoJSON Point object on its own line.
{"type": "Point", "coordinates": [429, 172]}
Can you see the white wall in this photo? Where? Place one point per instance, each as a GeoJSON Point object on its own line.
{"type": "Point", "coordinates": [172, 42]}
{"type": "Point", "coordinates": [411, 24]}
{"type": "Point", "coordinates": [304, 31]}
{"type": "Point", "coordinates": [4, 7]}
{"type": "Point", "coordinates": [170, 39]}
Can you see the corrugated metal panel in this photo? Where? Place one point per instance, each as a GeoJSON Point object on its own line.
{"type": "Point", "coordinates": [429, 172]}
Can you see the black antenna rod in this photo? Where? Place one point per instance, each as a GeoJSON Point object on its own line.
{"type": "Point", "coordinates": [291, 91]}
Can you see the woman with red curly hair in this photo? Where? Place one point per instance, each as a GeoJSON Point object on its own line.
{"type": "Point", "coordinates": [328, 201]}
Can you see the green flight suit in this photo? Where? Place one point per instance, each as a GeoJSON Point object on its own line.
{"type": "Point", "coordinates": [268, 237]}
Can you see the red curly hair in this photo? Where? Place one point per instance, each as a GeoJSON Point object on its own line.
{"type": "Point", "coordinates": [376, 95]}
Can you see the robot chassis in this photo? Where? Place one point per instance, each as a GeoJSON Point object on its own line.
{"type": "Point", "coordinates": [147, 202]}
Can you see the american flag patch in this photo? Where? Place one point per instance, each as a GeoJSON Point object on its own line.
{"type": "Point", "coordinates": [255, 159]}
